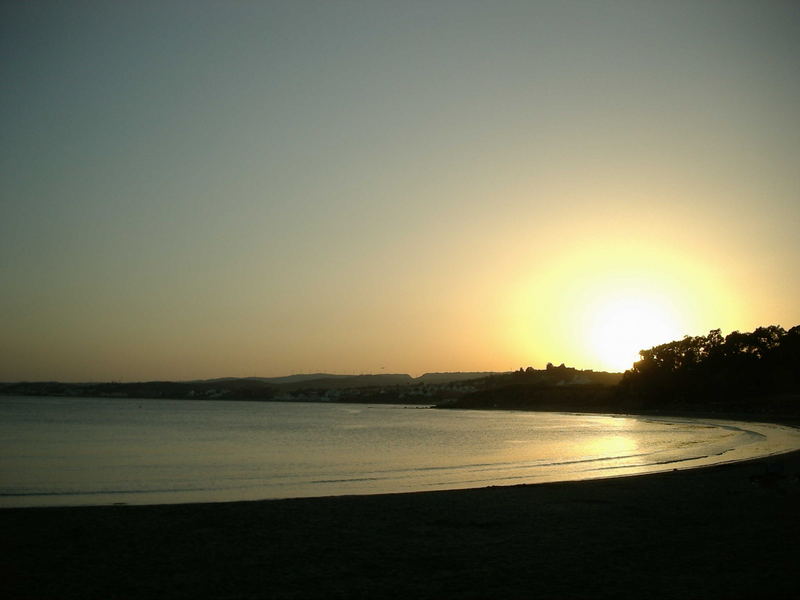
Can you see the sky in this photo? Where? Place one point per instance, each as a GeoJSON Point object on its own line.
{"type": "Point", "coordinates": [204, 189]}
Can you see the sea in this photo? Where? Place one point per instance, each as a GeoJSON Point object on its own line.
{"type": "Point", "coordinates": [96, 451]}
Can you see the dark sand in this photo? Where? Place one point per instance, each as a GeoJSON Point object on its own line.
{"type": "Point", "coordinates": [731, 531]}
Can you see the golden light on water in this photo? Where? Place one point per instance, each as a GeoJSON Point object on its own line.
{"type": "Point", "coordinates": [611, 446]}
{"type": "Point", "coordinates": [617, 438]}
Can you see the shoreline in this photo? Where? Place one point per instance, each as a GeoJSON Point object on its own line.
{"type": "Point", "coordinates": [734, 454]}
{"type": "Point", "coordinates": [718, 531]}
{"type": "Point", "coordinates": [723, 530]}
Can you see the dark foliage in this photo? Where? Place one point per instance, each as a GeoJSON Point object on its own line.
{"type": "Point", "coordinates": [558, 388]}
{"type": "Point", "coordinates": [730, 372]}
{"type": "Point", "coordinates": [590, 397]}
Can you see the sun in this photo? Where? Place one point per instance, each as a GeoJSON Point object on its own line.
{"type": "Point", "coordinates": [603, 300]}
{"type": "Point", "coordinates": [621, 325]}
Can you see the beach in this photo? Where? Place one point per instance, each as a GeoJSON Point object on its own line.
{"type": "Point", "coordinates": [728, 531]}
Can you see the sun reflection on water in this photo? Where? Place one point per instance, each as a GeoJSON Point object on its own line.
{"type": "Point", "coordinates": [610, 446]}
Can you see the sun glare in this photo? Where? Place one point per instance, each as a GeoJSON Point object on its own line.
{"type": "Point", "coordinates": [597, 309]}
{"type": "Point", "coordinates": [621, 326]}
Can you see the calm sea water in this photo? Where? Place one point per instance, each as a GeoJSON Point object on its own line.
{"type": "Point", "coordinates": [76, 451]}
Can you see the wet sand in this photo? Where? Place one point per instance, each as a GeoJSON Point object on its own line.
{"type": "Point", "coordinates": [720, 532]}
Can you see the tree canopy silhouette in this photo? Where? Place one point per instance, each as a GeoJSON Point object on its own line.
{"type": "Point", "coordinates": [716, 367]}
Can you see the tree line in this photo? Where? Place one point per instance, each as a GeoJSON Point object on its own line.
{"type": "Point", "coordinates": [736, 369]}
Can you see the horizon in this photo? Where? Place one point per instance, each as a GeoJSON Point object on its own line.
{"type": "Point", "coordinates": [200, 188]}
{"type": "Point", "coordinates": [308, 374]}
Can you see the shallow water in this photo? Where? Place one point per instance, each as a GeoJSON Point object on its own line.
{"type": "Point", "coordinates": [79, 451]}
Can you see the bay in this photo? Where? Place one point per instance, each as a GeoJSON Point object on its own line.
{"type": "Point", "coordinates": [92, 451]}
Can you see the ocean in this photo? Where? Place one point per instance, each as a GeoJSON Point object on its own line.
{"type": "Point", "coordinates": [93, 451]}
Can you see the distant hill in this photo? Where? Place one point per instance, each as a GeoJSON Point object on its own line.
{"type": "Point", "coordinates": [435, 378]}
{"type": "Point", "coordinates": [276, 380]}
{"type": "Point", "coordinates": [334, 382]}
{"type": "Point", "coordinates": [386, 387]}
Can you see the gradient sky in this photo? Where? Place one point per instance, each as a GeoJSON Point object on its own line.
{"type": "Point", "coordinates": [203, 189]}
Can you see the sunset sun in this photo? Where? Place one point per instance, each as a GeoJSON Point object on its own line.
{"type": "Point", "coordinates": [598, 309]}
{"type": "Point", "coordinates": [620, 326]}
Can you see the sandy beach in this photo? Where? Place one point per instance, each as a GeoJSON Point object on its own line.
{"type": "Point", "coordinates": [720, 532]}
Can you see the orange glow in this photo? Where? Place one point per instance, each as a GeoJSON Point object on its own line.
{"type": "Point", "coordinates": [621, 325]}
{"type": "Point", "coordinates": [597, 308]}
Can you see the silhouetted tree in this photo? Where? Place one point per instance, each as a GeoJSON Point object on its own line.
{"type": "Point", "coordinates": [716, 368]}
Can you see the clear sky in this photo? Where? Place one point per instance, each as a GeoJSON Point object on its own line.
{"type": "Point", "coordinates": [202, 189]}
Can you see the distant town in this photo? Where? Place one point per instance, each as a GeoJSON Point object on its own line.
{"type": "Point", "coordinates": [428, 389]}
